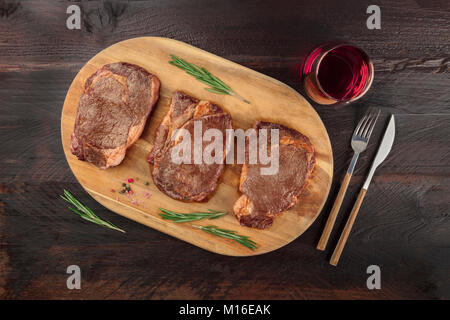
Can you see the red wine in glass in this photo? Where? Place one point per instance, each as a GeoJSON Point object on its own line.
{"type": "Point", "coordinates": [336, 73]}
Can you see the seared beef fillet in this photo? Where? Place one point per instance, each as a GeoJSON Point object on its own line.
{"type": "Point", "coordinates": [265, 196]}
{"type": "Point", "coordinates": [188, 182]}
{"type": "Point", "coordinates": [112, 112]}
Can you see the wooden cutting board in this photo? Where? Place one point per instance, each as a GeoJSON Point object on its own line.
{"type": "Point", "coordinates": [270, 100]}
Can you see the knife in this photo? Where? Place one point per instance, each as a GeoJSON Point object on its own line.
{"type": "Point", "coordinates": [383, 150]}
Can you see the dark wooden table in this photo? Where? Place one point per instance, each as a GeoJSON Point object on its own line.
{"type": "Point", "coordinates": [404, 224]}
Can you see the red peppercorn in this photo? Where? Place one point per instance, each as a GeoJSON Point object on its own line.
{"type": "Point", "coordinates": [130, 192]}
{"type": "Point", "coordinates": [130, 180]}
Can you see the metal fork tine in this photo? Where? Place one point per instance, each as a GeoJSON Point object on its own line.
{"type": "Point", "coordinates": [359, 125]}
{"type": "Point", "coordinates": [369, 124]}
{"type": "Point", "coordinates": [363, 124]}
{"type": "Point", "coordinates": [373, 125]}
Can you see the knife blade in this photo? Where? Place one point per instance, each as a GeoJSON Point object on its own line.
{"type": "Point", "coordinates": [383, 150]}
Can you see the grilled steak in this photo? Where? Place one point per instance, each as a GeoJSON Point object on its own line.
{"type": "Point", "coordinates": [265, 196]}
{"type": "Point", "coordinates": [112, 112]}
{"type": "Point", "coordinates": [188, 182]}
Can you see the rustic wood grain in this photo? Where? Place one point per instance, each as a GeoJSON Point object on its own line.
{"type": "Point", "coordinates": [403, 226]}
{"type": "Point", "coordinates": [267, 96]}
{"type": "Point", "coordinates": [347, 229]}
{"type": "Point", "coordinates": [323, 241]}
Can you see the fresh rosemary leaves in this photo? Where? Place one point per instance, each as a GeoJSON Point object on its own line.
{"type": "Point", "coordinates": [86, 213]}
{"type": "Point", "coordinates": [216, 231]}
{"type": "Point", "coordinates": [229, 234]}
{"type": "Point", "coordinates": [203, 75]}
{"type": "Point", "coordinates": [186, 217]}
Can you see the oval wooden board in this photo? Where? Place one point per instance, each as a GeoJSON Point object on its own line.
{"type": "Point", "coordinates": [270, 99]}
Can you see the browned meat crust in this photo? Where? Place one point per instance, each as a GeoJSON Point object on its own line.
{"type": "Point", "coordinates": [265, 196]}
{"type": "Point", "coordinates": [112, 112]}
{"type": "Point", "coordinates": [188, 182]}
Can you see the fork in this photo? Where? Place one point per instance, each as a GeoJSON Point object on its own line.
{"type": "Point", "coordinates": [359, 142]}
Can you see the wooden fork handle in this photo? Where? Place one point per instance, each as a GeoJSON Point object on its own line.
{"type": "Point", "coordinates": [348, 227]}
{"type": "Point", "coordinates": [334, 212]}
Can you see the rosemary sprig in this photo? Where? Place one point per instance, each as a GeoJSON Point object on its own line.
{"type": "Point", "coordinates": [186, 217]}
{"type": "Point", "coordinates": [86, 213]}
{"type": "Point", "coordinates": [229, 234]}
{"type": "Point", "coordinates": [203, 75]}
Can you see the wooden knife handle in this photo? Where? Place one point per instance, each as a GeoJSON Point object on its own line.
{"type": "Point", "coordinates": [334, 212]}
{"type": "Point", "coordinates": [348, 227]}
